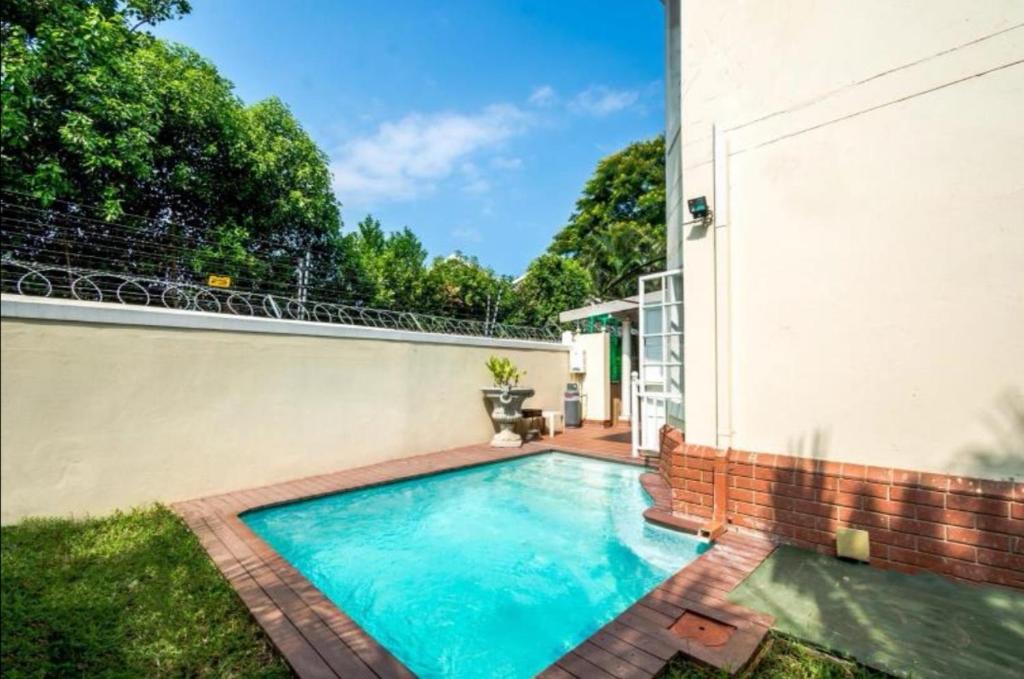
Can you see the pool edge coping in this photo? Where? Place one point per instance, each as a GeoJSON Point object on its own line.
{"type": "Point", "coordinates": [318, 639]}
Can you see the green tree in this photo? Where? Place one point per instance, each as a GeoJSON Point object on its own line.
{"type": "Point", "coordinates": [552, 284]}
{"type": "Point", "coordinates": [153, 11]}
{"type": "Point", "coordinates": [97, 112]}
{"type": "Point", "coordinates": [78, 113]}
{"type": "Point", "coordinates": [195, 161]}
{"type": "Point", "coordinates": [287, 194]}
{"type": "Point", "coordinates": [284, 201]}
{"type": "Point", "coordinates": [406, 258]}
{"type": "Point", "coordinates": [458, 285]}
{"type": "Point", "coordinates": [617, 231]}
{"type": "Point", "coordinates": [388, 267]}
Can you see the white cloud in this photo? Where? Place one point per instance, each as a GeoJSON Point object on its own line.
{"type": "Point", "coordinates": [601, 101]}
{"type": "Point", "coordinates": [542, 96]}
{"type": "Point", "coordinates": [478, 185]}
{"type": "Point", "coordinates": [468, 234]}
{"type": "Point", "coordinates": [475, 181]}
{"type": "Point", "coordinates": [408, 157]}
{"type": "Point", "coordinates": [506, 163]}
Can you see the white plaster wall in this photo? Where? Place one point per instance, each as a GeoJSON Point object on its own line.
{"type": "Point", "coordinates": [875, 180]}
{"type": "Point", "coordinates": [595, 385]}
{"type": "Point", "coordinates": [98, 416]}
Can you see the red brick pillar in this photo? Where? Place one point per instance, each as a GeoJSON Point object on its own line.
{"type": "Point", "coordinates": [721, 497]}
{"type": "Point", "coordinates": [671, 446]}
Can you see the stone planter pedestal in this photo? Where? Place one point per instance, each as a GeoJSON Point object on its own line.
{"type": "Point", "coordinates": [507, 410]}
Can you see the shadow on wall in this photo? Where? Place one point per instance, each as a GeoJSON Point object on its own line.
{"type": "Point", "coordinates": [1004, 457]}
{"type": "Point", "coordinates": [699, 230]}
{"type": "Point", "coordinates": [1001, 458]}
{"type": "Point", "coordinates": [813, 446]}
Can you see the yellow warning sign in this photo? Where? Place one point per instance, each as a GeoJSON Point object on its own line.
{"type": "Point", "coordinates": [219, 281]}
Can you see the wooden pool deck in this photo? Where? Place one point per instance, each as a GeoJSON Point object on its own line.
{"type": "Point", "coordinates": [318, 639]}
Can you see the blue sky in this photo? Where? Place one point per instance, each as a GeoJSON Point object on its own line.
{"type": "Point", "coordinates": [475, 123]}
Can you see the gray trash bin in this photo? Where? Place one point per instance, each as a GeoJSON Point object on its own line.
{"type": "Point", "coordinates": [573, 408]}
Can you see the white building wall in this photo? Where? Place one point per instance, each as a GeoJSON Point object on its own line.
{"type": "Point", "coordinates": [875, 174]}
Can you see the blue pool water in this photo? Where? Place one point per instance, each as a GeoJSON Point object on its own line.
{"type": "Point", "coordinates": [493, 571]}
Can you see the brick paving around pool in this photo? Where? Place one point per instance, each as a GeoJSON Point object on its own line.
{"type": "Point", "coordinates": [318, 639]}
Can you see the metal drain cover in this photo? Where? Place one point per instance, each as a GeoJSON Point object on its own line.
{"type": "Point", "coordinates": [702, 629]}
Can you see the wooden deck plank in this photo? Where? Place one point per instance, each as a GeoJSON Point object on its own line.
{"type": "Point", "coordinates": [663, 604]}
{"type": "Point", "coordinates": [300, 656]}
{"type": "Point", "coordinates": [367, 659]}
{"type": "Point", "coordinates": [627, 652]}
{"type": "Point", "coordinates": [650, 628]}
{"type": "Point", "coordinates": [349, 664]}
{"type": "Point", "coordinates": [645, 642]}
{"type": "Point", "coordinates": [609, 662]}
{"type": "Point", "coordinates": [554, 672]}
{"type": "Point", "coordinates": [318, 635]}
{"type": "Point", "coordinates": [699, 581]}
{"type": "Point", "coordinates": [654, 617]}
{"type": "Point", "coordinates": [725, 611]}
{"type": "Point", "coordinates": [580, 667]}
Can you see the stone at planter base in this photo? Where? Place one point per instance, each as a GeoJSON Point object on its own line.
{"type": "Point", "coordinates": [507, 439]}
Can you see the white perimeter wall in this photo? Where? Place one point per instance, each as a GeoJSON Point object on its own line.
{"type": "Point", "coordinates": [107, 407]}
{"type": "Point", "coordinates": [870, 259]}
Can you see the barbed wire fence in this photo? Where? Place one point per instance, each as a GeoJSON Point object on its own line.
{"type": "Point", "coordinates": [67, 250]}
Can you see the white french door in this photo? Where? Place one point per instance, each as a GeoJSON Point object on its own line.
{"type": "Point", "coordinates": [659, 390]}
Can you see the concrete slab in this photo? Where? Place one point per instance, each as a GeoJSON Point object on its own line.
{"type": "Point", "coordinates": [909, 625]}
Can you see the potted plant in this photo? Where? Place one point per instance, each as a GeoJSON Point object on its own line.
{"type": "Point", "coordinates": [506, 397]}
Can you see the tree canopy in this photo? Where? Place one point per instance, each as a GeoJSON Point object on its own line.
{"type": "Point", "coordinates": [98, 112]}
{"type": "Point", "coordinates": [460, 286]}
{"type": "Point", "coordinates": [389, 267]}
{"type": "Point", "coordinates": [552, 284]}
{"type": "Point", "coordinates": [617, 231]}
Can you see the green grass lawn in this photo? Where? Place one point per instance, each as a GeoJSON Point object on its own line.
{"type": "Point", "coordinates": [784, 658]}
{"type": "Point", "coordinates": [128, 595]}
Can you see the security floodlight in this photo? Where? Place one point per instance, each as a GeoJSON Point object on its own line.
{"type": "Point", "coordinates": [698, 207]}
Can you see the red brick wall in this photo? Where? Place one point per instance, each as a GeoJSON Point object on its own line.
{"type": "Point", "coordinates": [966, 528]}
{"type": "Point", "coordinates": [690, 472]}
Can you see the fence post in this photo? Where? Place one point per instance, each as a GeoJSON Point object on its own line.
{"type": "Point", "coordinates": [634, 412]}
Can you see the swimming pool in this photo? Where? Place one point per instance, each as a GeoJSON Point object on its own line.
{"type": "Point", "coordinates": [491, 571]}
